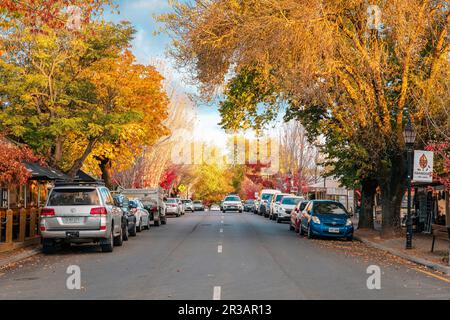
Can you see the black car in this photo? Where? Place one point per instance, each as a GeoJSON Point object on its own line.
{"type": "Point", "coordinates": [129, 219]}
{"type": "Point", "coordinates": [248, 205]}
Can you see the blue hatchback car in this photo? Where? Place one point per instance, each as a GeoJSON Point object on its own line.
{"type": "Point", "coordinates": [326, 218]}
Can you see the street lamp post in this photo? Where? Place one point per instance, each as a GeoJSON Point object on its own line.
{"type": "Point", "coordinates": [410, 137]}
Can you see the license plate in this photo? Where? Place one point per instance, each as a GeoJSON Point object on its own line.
{"type": "Point", "coordinates": [72, 220]}
{"type": "Point", "coordinates": [333, 230]}
{"type": "Point", "coordinates": [72, 234]}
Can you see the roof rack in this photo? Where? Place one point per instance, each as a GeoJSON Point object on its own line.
{"type": "Point", "coordinates": [61, 183]}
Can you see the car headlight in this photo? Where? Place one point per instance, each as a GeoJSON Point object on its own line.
{"type": "Point", "coordinates": [349, 222]}
{"type": "Point", "coordinates": [315, 219]}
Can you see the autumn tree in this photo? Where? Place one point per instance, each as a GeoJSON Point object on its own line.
{"type": "Point", "coordinates": [347, 77]}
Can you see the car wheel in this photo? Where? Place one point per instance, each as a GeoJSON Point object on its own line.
{"type": "Point", "coordinates": [310, 235]}
{"type": "Point", "coordinates": [107, 245]}
{"type": "Point", "coordinates": [157, 223]}
{"type": "Point", "coordinates": [133, 231]}
{"type": "Point", "coordinates": [164, 221]}
{"type": "Point", "coordinates": [300, 230]}
{"type": "Point", "coordinates": [118, 241]}
{"type": "Point", "coordinates": [350, 238]}
{"type": "Point", "coordinates": [125, 233]}
{"type": "Point", "coordinates": [139, 227]}
{"type": "Point", "coordinates": [240, 211]}
{"type": "Point", "coordinates": [278, 220]}
{"type": "Point", "coordinates": [48, 246]}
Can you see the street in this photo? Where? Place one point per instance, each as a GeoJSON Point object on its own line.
{"type": "Point", "coordinates": [206, 255]}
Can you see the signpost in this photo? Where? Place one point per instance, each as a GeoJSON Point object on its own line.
{"type": "Point", "coordinates": [423, 166]}
{"type": "Point", "coordinates": [181, 188]}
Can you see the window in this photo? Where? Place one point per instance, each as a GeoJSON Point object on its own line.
{"type": "Point", "coordinates": [4, 197]}
{"type": "Point", "coordinates": [290, 201]}
{"type": "Point", "coordinates": [329, 208]}
{"type": "Point", "coordinates": [232, 199]}
{"type": "Point", "coordinates": [73, 197]}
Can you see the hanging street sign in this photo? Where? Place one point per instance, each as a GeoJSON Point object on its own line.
{"type": "Point", "coordinates": [423, 166]}
{"type": "Point", "coordinates": [181, 188]}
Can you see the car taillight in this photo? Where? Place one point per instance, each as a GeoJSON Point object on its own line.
{"type": "Point", "coordinates": [47, 212]}
{"type": "Point", "coordinates": [98, 211]}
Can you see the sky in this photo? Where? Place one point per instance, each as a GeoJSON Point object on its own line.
{"type": "Point", "coordinates": [149, 47]}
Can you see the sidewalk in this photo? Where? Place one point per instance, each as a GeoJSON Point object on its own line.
{"type": "Point", "coordinates": [420, 253]}
{"type": "Point", "coordinates": [11, 257]}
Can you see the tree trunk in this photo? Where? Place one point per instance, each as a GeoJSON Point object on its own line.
{"type": "Point", "coordinates": [368, 190]}
{"type": "Point", "coordinates": [79, 162]}
{"type": "Point", "coordinates": [106, 168]}
{"type": "Point", "coordinates": [392, 192]}
{"type": "Point", "coordinates": [58, 150]}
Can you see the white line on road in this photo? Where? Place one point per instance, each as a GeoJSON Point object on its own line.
{"type": "Point", "coordinates": [221, 221]}
{"type": "Point", "coordinates": [221, 230]}
{"type": "Point", "coordinates": [216, 294]}
{"type": "Point", "coordinates": [219, 248]}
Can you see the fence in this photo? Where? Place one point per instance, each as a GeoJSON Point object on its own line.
{"type": "Point", "coordinates": [18, 226]}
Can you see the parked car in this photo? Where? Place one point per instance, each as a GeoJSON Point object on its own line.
{"type": "Point", "coordinates": [232, 203]}
{"type": "Point", "coordinates": [248, 205]}
{"type": "Point", "coordinates": [81, 213]}
{"type": "Point", "coordinates": [266, 199]}
{"type": "Point", "coordinates": [296, 215]}
{"type": "Point", "coordinates": [129, 223]}
{"type": "Point", "coordinates": [276, 200]}
{"type": "Point", "coordinates": [256, 206]}
{"type": "Point", "coordinates": [142, 215]}
{"type": "Point", "coordinates": [182, 206]}
{"type": "Point", "coordinates": [152, 199]}
{"type": "Point", "coordinates": [326, 218]}
{"type": "Point", "coordinates": [173, 207]}
{"type": "Point", "coordinates": [285, 208]}
{"type": "Point", "coordinates": [215, 207]}
{"type": "Point", "coordinates": [188, 204]}
{"type": "Point", "coordinates": [198, 205]}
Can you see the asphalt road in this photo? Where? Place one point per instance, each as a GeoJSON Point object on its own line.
{"type": "Point", "coordinates": [223, 256]}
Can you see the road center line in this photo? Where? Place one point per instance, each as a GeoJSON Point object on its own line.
{"type": "Point", "coordinates": [219, 248]}
{"type": "Point", "coordinates": [221, 230]}
{"type": "Point", "coordinates": [217, 292]}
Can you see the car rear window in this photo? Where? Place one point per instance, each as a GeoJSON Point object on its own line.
{"type": "Point", "coordinates": [197, 202]}
{"type": "Point", "coordinates": [73, 197]}
{"type": "Point", "coordinates": [171, 201]}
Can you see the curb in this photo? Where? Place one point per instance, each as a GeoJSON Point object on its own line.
{"type": "Point", "coordinates": [19, 257]}
{"type": "Point", "coordinates": [419, 261]}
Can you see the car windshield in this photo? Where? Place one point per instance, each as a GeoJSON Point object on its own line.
{"type": "Point", "coordinates": [197, 202]}
{"type": "Point", "coordinates": [186, 201]}
{"type": "Point", "coordinates": [279, 197]}
{"type": "Point", "coordinates": [232, 199]}
{"type": "Point", "coordinates": [73, 197]}
{"type": "Point", "coordinates": [249, 201]}
{"type": "Point", "coordinates": [266, 196]}
{"type": "Point", "coordinates": [290, 201]}
{"type": "Point", "coordinates": [171, 201]}
{"type": "Point", "coordinates": [329, 208]}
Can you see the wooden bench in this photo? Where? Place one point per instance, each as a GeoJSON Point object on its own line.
{"type": "Point", "coordinates": [439, 232]}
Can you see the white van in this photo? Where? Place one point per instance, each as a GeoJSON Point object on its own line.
{"type": "Point", "coordinates": [266, 198]}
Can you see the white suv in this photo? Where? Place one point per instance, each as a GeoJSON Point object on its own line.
{"type": "Point", "coordinates": [81, 213]}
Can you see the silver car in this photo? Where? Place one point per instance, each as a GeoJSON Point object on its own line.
{"type": "Point", "coordinates": [81, 213]}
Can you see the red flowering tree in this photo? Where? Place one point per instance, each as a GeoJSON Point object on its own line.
{"type": "Point", "coordinates": [168, 179]}
{"type": "Point", "coordinates": [441, 161]}
{"type": "Point", "coordinates": [12, 169]}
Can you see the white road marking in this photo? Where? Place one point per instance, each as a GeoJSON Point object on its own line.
{"type": "Point", "coordinates": [221, 230]}
{"type": "Point", "coordinates": [217, 292]}
{"type": "Point", "coordinates": [221, 221]}
{"type": "Point", "coordinates": [219, 248]}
